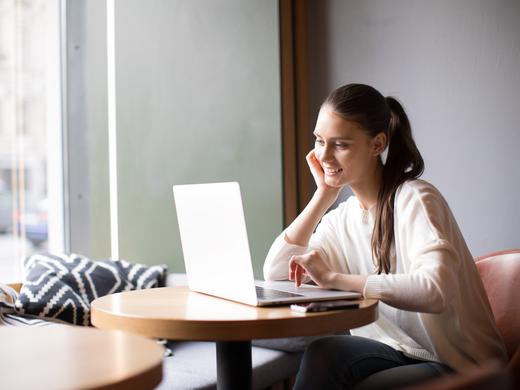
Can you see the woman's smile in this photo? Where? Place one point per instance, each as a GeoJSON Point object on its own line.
{"type": "Point", "coordinates": [332, 171]}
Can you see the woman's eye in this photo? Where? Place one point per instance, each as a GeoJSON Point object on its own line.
{"type": "Point", "coordinates": [319, 142]}
{"type": "Point", "coordinates": [341, 145]}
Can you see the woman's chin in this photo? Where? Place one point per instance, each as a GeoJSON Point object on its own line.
{"type": "Point", "coordinates": [335, 182]}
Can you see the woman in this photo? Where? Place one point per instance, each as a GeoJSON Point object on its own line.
{"type": "Point", "coordinates": [395, 240]}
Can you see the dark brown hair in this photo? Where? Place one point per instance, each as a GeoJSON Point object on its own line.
{"type": "Point", "coordinates": [364, 105]}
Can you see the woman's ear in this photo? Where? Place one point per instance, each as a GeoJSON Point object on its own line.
{"type": "Point", "coordinates": [379, 144]}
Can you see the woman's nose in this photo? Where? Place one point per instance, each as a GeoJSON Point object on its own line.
{"type": "Point", "coordinates": [325, 154]}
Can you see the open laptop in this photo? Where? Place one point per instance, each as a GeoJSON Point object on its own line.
{"type": "Point", "coordinates": [216, 250]}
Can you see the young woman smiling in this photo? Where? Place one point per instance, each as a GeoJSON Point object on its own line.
{"type": "Point", "coordinates": [395, 240]}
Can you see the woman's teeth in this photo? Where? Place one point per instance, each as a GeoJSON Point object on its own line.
{"type": "Point", "coordinates": [332, 171]}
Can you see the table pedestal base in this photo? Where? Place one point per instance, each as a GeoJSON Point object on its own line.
{"type": "Point", "coordinates": [234, 365]}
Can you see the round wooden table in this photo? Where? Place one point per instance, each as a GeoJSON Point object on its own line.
{"type": "Point", "coordinates": [73, 357]}
{"type": "Point", "coordinates": [179, 314]}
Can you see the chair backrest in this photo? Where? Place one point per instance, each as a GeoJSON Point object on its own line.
{"type": "Point", "coordinates": [500, 273]}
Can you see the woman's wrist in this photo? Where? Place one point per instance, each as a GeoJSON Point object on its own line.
{"type": "Point", "coordinates": [301, 229]}
{"type": "Point", "coordinates": [347, 282]}
{"type": "Point", "coordinates": [327, 197]}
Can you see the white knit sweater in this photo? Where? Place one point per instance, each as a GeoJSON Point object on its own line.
{"type": "Point", "coordinates": [433, 304]}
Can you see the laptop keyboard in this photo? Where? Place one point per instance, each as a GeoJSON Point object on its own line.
{"type": "Point", "coordinates": [269, 293]}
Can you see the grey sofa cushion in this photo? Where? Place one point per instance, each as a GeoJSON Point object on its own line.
{"type": "Point", "coordinates": [193, 366]}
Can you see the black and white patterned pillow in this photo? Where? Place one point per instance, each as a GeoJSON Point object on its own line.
{"type": "Point", "coordinates": [62, 286]}
{"type": "Point", "coordinates": [8, 297]}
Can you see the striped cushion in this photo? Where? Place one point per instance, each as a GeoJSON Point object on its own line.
{"type": "Point", "coordinates": [18, 320]}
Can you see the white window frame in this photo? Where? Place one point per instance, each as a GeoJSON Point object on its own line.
{"type": "Point", "coordinates": [75, 147]}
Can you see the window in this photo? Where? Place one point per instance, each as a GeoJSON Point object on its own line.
{"type": "Point", "coordinates": [30, 132]}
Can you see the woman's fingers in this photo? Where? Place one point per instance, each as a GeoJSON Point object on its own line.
{"type": "Point", "coordinates": [292, 267]}
{"type": "Point", "coordinates": [313, 162]}
{"type": "Point", "coordinates": [296, 271]}
{"type": "Point", "coordinates": [297, 274]}
{"type": "Point", "coordinates": [311, 264]}
{"type": "Point", "coordinates": [300, 273]}
{"type": "Point", "coordinates": [314, 166]}
{"type": "Point", "coordinates": [310, 157]}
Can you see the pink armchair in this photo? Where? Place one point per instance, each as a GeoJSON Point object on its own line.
{"type": "Point", "coordinates": [500, 273]}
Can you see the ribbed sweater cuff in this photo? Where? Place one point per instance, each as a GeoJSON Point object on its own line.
{"type": "Point", "coordinates": [373, 287]}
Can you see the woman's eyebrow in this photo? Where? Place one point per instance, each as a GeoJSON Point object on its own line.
{"type": "Point", "coordinates": [335, 138]}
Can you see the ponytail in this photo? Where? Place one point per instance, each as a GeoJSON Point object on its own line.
{"type": "Point", "coordinates": [375, 114]}
{"type": "Point", "coordinates": [403, 162]}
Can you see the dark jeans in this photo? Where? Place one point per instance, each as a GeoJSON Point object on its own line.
{"type": "Point", "coordinates": [348, 362]}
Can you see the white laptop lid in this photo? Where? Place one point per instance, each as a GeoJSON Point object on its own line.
{"type": "Point", "coordinates": [214, 240]}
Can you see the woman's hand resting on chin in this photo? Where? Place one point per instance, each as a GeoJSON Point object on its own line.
{"type": "Point", "coordinates": [317, 173]}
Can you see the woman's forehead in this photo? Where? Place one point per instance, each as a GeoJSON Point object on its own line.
{"type": "Point", "coordinates": [330, 124]}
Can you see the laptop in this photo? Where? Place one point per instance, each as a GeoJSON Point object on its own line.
{"type": "Point", "coordinates": [216, 251]}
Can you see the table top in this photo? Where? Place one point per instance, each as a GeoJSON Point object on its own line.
{"type": "Point", "coordinates": [180, 314]}
{"type": "Point", "coordinates": [73, 357]}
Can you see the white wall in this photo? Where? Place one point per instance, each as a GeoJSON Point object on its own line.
{"type": "Point", "coordinates": [456, 67]}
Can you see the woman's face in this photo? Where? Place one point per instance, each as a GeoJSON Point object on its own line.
{"type": "Point", "coordinates": [345, 151]}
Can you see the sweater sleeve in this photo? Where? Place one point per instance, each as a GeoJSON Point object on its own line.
{"type": "Point", "coordinates": [324, 239]}
{"type": "Point", "coordinates": [276, 265]}
{"type": "Point", "coordinates": [423, 222]}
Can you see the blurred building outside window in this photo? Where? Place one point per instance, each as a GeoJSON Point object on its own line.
{"type": "Point", "coordinates": [31, 180]}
